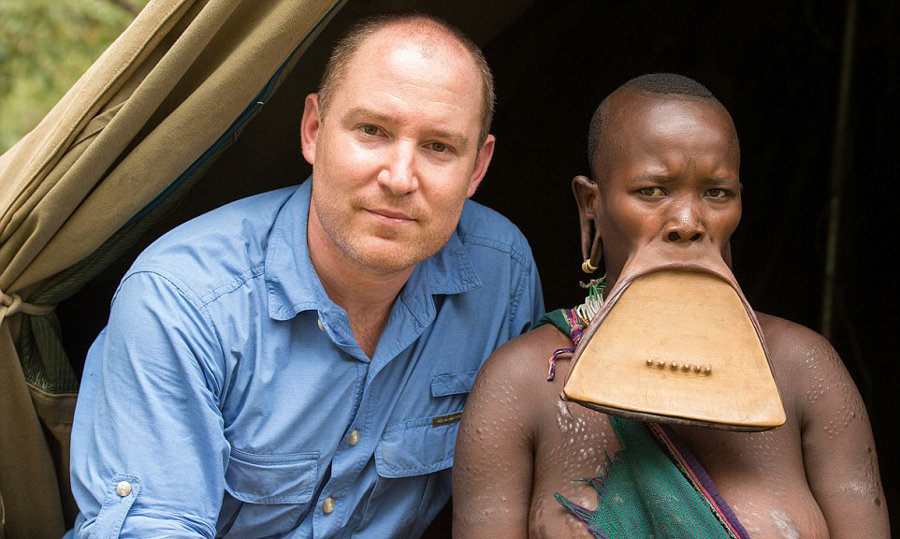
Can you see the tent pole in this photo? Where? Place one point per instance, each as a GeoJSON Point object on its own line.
{"type": "Point", "coordinates": [838, 170]}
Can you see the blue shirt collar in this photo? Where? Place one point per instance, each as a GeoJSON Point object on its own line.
{"type": "Point", "coordinates": [293, 285]}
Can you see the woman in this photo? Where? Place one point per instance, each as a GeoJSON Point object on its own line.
{"type": "Point", "coordinates": [665, 164]}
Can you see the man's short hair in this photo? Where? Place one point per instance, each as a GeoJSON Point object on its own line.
{"type": "Point", "coordinates": [343, 52]}
{"type": "Point", "coordinates": [655, 83]}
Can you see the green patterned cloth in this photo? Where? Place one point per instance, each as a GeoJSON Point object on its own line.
{"type": "Point", "coordinates": [642, 493]}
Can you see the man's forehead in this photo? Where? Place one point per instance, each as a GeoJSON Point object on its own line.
{"type": "Point", "coordinates": [424, 43]}
{"type": "Point", "coordinates": [424, 36]}
{"type": "Point", "coordinates": [423, 55]}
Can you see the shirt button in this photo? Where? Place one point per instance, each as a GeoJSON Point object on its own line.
{"type": "Point", "coordinates": [328, 505]}
{"type": "Point", "coordinates": [321, 327]}
{"type": "Point", "coordinates": [354, 437]}
{"type": "Point", "coordinates": [123, 489]}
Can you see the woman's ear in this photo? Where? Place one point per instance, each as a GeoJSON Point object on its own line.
{"type": "Point", "coordinates": [587, 195]}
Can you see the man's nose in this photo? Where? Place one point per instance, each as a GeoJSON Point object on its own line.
{"type": "Point", "coordinates": [398, 174]}
{"type": "Point", "coordinates": [686, 224]}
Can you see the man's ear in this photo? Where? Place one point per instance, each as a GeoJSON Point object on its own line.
{"type": "Point", "coordinates": [309, 127]}
{"type": "Point", "coordinates": [587, 194]}
{"type": "Point", "coordinates": [482, 160]}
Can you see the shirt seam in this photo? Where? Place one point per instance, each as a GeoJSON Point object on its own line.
{"type": "Point", "coordinates": [227, 288]}
{"type": "Point", "coordinates": [517, 256]}
{"type": "Point", "coordinates": [520, 293]}
{"type": "Point", "coordinates": [191, 297]}
{"type": "Point", "coordinates": [508, 248]}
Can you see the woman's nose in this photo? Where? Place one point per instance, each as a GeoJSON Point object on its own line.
{"type": "Point", "coordinates": [686, 224]}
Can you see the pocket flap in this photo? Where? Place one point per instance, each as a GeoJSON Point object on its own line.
{"type": "Point", "coordinates": [255, 478]}
{"type": "Point", "coordinates": [416, 447]}
{"type": "Point", "coordinates": [452, 383]}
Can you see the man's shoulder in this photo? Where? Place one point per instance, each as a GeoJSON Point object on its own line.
{"type": "Point", "coordinates": [248, 216]}
{"type": "Point", "coordinates": [482, 226]}
{"type": "Point", "coordinates": [222, 245]}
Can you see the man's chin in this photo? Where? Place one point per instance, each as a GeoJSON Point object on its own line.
{"type": "Point", "coordinates": [387, 261]}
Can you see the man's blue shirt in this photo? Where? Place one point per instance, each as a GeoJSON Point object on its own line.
{"type": "Point", "coordinates": [228, 395]}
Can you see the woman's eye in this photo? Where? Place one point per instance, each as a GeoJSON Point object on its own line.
{"type": "Point", "coordinates": [652, 191]}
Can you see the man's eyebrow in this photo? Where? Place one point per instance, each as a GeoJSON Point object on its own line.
{"type": "Point", "coordinates": [460, 142]}
{"type": "Point", "coordinates": [360, 113]}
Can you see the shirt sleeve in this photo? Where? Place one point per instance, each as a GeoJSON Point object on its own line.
{"type": "Point", "coordinates": [148, 446]}
{"type": "Point", "coordinates": [528, 302]}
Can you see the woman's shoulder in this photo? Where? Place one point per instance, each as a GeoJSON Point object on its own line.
{"type": "Point", "coordinates": [806, 365]}
{"type": "Point", "coordinates": [520, 367]}
{"type": "Point", "coordinates": [527, 353]}
{"type": "Point", "coordinates": [791, 342]}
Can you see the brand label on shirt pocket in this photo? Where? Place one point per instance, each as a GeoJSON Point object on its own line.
{"type": "Point", "coordinates": [415, 448]}
{"type": "Point", "coordinates": [256, 478]}
{"type": "Point", "coordinates": [445, 420]}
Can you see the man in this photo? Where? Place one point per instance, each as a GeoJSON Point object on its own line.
{"type": "Point", "coordinates": [664, 160]}
{"type": "Point", "coordinates": [295, 364]}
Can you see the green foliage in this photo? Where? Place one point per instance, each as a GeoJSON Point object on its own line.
{"type": "Point", "coordinates": [45, 46]}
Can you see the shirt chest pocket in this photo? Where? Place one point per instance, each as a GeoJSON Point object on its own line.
{"type": "Point", "coordinates": [272, 479]}
{"type": "Point", "coordinates": [425, 445]}
{"type": "Point", "coordinates": [266, 494]}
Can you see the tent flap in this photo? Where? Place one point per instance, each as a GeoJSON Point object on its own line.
{"type": "Point", "coordinates": [141, 127]}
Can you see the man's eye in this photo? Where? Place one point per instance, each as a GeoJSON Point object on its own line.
{"type": "Point", "coordinates": [717, 193]}
{"type": "Point", "coordinates": [439, 147]}
{"type": "Point", "coordinates": [370, 130]}
{"type": "Point", "coordinates": [652, 191]}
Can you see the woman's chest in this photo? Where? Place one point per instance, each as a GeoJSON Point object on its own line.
{"type": "Point", "coordinates": [761, 476]}
{"type": "Point", "coordinates": [786, 512]}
